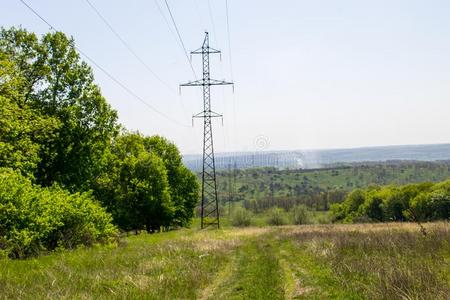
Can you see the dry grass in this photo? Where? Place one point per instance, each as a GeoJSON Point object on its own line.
{"type": "Point", "coordinates": [382, 261]}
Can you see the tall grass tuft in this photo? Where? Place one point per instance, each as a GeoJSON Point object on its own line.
{"type": "Point", "coordinates": [241, 217]}
{"type": "Point", "coordinates": [381, 262]}
{"type": "Point", "coordinates": [300, 215]}
{"type": "Point", "coordinates": [276, 217]}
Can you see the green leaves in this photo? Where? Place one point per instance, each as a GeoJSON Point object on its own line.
{"type": "Point", "coordinates": [23, 129]}
{"type": "Point", "coordinates": [413, 202]}
{"type": "Point", "coordinates": [146, 186]}
{"type": "Point", "coordinates": [51, 79]}
{"type": "Point", "coordinates": [35, 219]}
{"type": "Point", "coordinates": [57, 129]}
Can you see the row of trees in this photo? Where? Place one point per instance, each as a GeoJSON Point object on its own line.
{"type": "Point", "coordinates": [413, 202]}
{"type": "Point", "coordinates": [319, 201]}
{"type": "Point", "coordinates": [56, 128]}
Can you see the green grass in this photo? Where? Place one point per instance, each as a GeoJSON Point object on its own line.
{"type": "Point", "coordinates": [256, 273]}
{"type": "Point", "coordinates": [371, 261]}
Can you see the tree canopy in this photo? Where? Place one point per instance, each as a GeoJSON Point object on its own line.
{"type": "Point", "coordinates": [53, 80]}
{"type": "Point", "coordinates": [58, 131]}
{"type": "Point", "coordinates": [412, 202]}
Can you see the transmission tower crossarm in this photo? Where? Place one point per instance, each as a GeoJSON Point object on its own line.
{"type": "Point", "coordinates": [203, 50]}
{"type": "Point", "coordinates": [203, 82]}
{"type": "Point", "coordinates": [205, 114]}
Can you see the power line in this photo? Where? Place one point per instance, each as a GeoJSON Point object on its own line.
{"type": "Point", "coordinates": [124, 87]}
{"type": "Point", "coordinates": [229, 39]}
{"type": "Point", "coordinates": [166, 21]}
{"type": "Point", "coordinates": [212, 23]}
{"type": "Point", "coordinates": [181, 40]}
{"type": "Point", "coordinates": [160, 10]}
{"type": "Point", "coordinates": [127, 45]}
{"type": "Point", "coordinates": [34, 12]}
{"type": "Point", "coordinates": [231, 66]}
{"type": "Point", "coordinates": [200, 17]}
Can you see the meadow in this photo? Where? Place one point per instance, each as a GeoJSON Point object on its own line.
{"type": "Point", "coordinates": [347, 261]}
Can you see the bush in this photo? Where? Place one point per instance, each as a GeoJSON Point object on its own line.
{"type": "Point", "coordinates": [431, 206]}
{"type": "Point", "coordinates": [414, 202]}
{"type": "Point", "coordinates": [146, 185]}
{"type": "Point", "coordinates": [373, 208]}
{"type": "Point", "coordinates": [241, 217]}
{"type": "Point", "coordinates": [276, 217]}
{"type": "Point", "coordinates": [35, 219]}
{"type": "Point", "coordinates": [300, 215]}
{"type": "Point", "coordinates": [324, 219]}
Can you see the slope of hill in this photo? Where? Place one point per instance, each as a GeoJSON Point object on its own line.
{"type": "Point", "coordinates": [314, 186]}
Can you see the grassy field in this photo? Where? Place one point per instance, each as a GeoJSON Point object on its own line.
{"type": "Point", "coordinates": [372, 261]}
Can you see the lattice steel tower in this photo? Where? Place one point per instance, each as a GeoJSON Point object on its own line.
{"type": "Point", "coordinates": [210, 204]}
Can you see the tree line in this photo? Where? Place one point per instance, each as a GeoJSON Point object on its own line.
{"type": "Point", "coordinates": [413, 202]}
{"type": "Point", "coordinates": [58, 135]}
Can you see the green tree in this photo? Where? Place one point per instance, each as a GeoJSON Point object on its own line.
{"type": "Point", "coordinates": [431, 206]}
{"type": "Point", "coordinates": [135, 189]}
{"type": "Point", "coordinates": [22, 128]}
{"type": "Point", "coordinates": [183, 184]}
{"type": "Point", "coordinates": [59, 85]}
{"type": "Point", "coordinates": [353, 201]}
{"type": "Point", "coordinates": [373, 208]}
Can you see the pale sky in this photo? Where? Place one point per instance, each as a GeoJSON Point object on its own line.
{"type": "Point", "coordinates": [308, 74]}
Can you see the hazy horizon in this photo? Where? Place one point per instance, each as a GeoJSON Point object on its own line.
{"type": "Point", "coordinates": [320, 149]}
{"type": "Point", "coordinates": [309, 75]}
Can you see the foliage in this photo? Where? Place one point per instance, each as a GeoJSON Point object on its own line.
{"type": "Point", "coordinates": [413, 202]}
{"type": "Point", "coordinates": [135, 189]}
{"type": "Point", "coordinates": [22, 129]}
{"type": "Point", "coordinates": [241, 217]}
{"type": "Point", "coordinates": [430, 206]}
{"type": "Point", "coordinates": [276, 217]}
{"type": "Point", "coordinates": [146, 186]}
{"type": "Point", "coordinates": [183, 184]}
{"type": "Point", "coordinates": [300, 215]}
{"type": "Point", "coordinates": [57, 129]}
{"type": "Point", "coordinates": [55, 82]}
{"type": "Point", "coordinates": [262, 188]}
{"type": "Point", "coordinates": [35, 219]}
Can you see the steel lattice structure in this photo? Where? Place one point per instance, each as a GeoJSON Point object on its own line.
{"type": "Point", "coordinates": [210, 204]}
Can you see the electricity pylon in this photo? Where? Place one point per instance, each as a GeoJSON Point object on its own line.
{"type": "Point", "coordinates": [210, 204]}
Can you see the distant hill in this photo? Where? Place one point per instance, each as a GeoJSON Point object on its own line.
{"type": "Point", "coordinates": [319, 158]}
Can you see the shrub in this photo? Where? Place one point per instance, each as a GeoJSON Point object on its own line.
{"type": "Point", "coordinates": [276, 217]}
{"type": "Point", "coordinates": [241, 217]}
{"type": "Point", "coordinates": [35, 219]}
{"type": "Point", "coordinates": [353, 201]}
{"type": "Point", "coordinates": [146, 185]}
{"type": "Point", "coordinates": [414, 202]}
{"type": "Point", "coordinates": [431, 206]}
{"type": "Point", "coordinates": [300, 215]}
{"type": "Point", "coordinates": [373, 208]}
